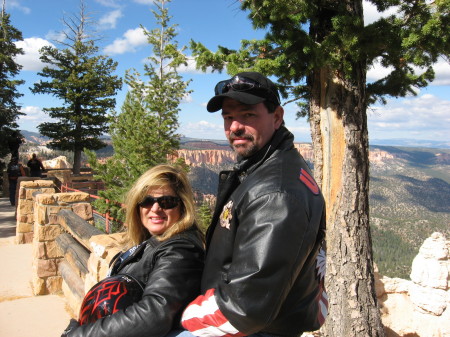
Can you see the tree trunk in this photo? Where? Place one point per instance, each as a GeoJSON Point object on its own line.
{"type": "Point", "coordinates": [77, 161]}
{"type": "Point", "coordinates": [340, 141]}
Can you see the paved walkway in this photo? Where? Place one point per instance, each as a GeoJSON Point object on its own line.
{"type": "Point", "coordinates": [21, 313]}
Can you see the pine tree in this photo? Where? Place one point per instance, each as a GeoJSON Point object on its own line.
{"type": "Point", "coordinates": [204, 216]}
{"type": "Point", "coordinates": [144, 133]}
{"type": "Point", "coordinates": [320, 52]}
{"type": "Point", "coordinates": [84, 83]}
{"type": "Point", "coordinates": [9, 68]}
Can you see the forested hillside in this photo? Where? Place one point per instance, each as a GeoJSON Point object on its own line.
{"type": "Point", "coordinates": [409, 200]}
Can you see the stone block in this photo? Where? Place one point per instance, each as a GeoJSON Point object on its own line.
{"type": "Point", "coordinates": [72, 197]}
{"type": "Point", "coordinates": [22, 193]}
{"type": "Point", "coordinates": [29, 193]}
{"type": "Point", "coordinates": [46, 184]}
{"type": "Point", "coordinates": [52, 251]}
{"type": "Point", "coordinates": [24, 238]}
{"type": "Point", "coordinates": [39, 286]}
{"type": "Point", "coordinates": [25, 207]}
{"type": "Point", "coordinates": [46, 199]}
{"type": "Point", "coordinates": [23, 227]}
{"type": "Point", "coordinates": [39, 251]}
{"type": "Point", "coordinates": [29, 184]}
{"type": "Point", "coordinates": [20, 238]}
{"type": "Point", "coordinates": [46, 268]}
{"type": "Point", "coordinates": [53, 284]}
{"type": "Point", "coordinates": [106, 246]}
{"type": "Point", "coordinates": [83, 210]}
{"type": "Point", "coordinates": [48, 232]}
{"type": "Point", "coordinates": [22, 218]}
{"type": "Point", "coordinates": [104, 267]}
{"type": "Point", "coordinates": [93, 264]}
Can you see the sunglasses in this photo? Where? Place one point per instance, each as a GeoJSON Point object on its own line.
{"type": "Point", "coordinates": [240, 83]}
{"type": "Point", "coordinates": [165, 202]}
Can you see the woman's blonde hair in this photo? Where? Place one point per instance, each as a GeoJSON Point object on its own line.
{"type": "Point", "coordinates": [159, 176]}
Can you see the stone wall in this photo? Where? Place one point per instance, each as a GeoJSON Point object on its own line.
{"type": "Point", "coordinates": [46, 255]}
{"type": "Point", "coordinates": [25, 206]}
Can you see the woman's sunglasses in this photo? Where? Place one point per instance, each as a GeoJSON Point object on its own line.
{"type": "Point", "coordinates": [165, 202]}
{"type": "Point", "coordinates": [240, 83]}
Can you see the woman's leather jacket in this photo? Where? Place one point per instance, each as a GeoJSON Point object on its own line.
{"type": "Point", "coordinates": [171, 272]}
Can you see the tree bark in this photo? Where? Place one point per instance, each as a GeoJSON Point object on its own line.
{"type": "Point", "coordinates": [341, 166]}
{"type": "Point", "coordinates": [340, 140]}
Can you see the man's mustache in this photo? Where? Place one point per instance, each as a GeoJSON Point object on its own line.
{"type": "Point", "coordinates": [233, 135]}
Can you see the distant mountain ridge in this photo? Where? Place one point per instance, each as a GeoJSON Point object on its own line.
{"type": "Point", "coordinates": [35, 137]}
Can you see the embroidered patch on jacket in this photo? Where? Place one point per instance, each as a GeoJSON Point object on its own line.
{"type": "Point", "coordinates": [309, 181]}
{"type": "Point", "coordinates": [226, 215]}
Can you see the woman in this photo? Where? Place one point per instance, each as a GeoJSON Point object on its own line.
{"type": "Point", "coordinates": [167, 257]}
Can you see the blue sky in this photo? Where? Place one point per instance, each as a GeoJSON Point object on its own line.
{"type": "Point", "coordinates": [212, 22]}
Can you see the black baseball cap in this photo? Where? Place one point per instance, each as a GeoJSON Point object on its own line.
{"type": "Point", "coordinates": [245, 87]}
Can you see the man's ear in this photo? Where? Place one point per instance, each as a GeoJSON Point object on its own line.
{"type": "Point", "coordinates": [278, 115]}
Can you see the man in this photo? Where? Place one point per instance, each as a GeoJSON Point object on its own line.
{"type": "Point", "coordinates": [35, 166]}
{"type": "Point", "coordinates": [14, 170]}
{"type": "Point", "coordinates": [264, 268]}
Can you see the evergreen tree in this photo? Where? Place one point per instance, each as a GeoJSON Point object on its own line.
{"type": "Point", "coordinates": [204, 216]}
{"type": "Point", "coordinates": [144, 133]}
{"type": "Point", "coordinates": [320, 51]}
{"type": "Point", "coordinates": [83, 81]}
{"type": "Point", "coordinates": [9, 68]}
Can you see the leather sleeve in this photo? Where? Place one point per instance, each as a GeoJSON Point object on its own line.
{"type": "Point", "coordinates": [257, 283]}
{"type": "Point", "coordinates": [173, 283]}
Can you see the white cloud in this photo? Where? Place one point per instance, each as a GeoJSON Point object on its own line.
{"type": "Point", "coordinates": [109, 20]}
{"type": "Point", "coordinates": [187, 98]}
{"type": "Point", "coordinates": [32, 113]}
{"type": "Point", "coordinates": [144, 2]}
{"type": "Point", "coordinates": [32, 118]}
{"type": "Point", "coordinates": [55, 36]}
{"type": "Point", "coordinates": [371, 13]}
{"type": "Point", "coordinates": [109, 3]}
{"type": "Point", "coordinates": [441, 68]}
{"type": "Point", "coordinates": [202, 129]}
{"type": "Point", "coordinates": [30, 59]}
{"type": "Point", "coordinates": [15, 4]}
{"type": "Point", "coordinates": [132, 39]}
{"type": "Point", "coordinates": [422, 117]}
{"type": "Point", "coordinates": [191, 67]}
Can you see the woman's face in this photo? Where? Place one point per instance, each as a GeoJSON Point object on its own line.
{"type": "Point", "coordinates": [156, 219]}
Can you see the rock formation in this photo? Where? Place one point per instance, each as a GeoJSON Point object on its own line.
{"type": "Point", "coordinates": [56, 163]}
{"type": "Point", "coordinates": [421, 306]}
{"type": "Point", "coordinates": [221, 157]}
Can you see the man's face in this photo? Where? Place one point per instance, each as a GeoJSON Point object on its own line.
{"type": "Point", "coordinates": [249, 127]}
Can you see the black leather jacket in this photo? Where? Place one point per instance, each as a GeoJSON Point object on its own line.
{"type": "Point", "coordinates": [171, 271]}
{"type": "Point", "coordinates": [262, 247]}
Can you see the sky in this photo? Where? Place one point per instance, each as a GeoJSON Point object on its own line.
{"type": "Point", "coordinates": [424, 117]}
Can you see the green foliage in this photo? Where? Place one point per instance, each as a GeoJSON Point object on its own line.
{"type": "Point", "coordinates": [304, 36]}
{"type": "Point", "coordinates": [204, 214]}
{"type": "Point", "coordinates": [82, 80]}
{"type": "Point", "coordinates": [9, 68]}
{"type": "Point", "coordinates": [144, 133]}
